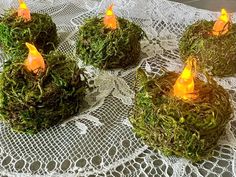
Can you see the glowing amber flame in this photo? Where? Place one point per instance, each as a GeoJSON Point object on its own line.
{"type": "Point", "coordinates": [23, 11]}
{"type": "Point", "coordinates": [184, 85]}
{"type": "Point", "coordinates": [110, 20]}
{"type": "Point", "coordinates": [221, 26]}
{"type": "Point", "coordinates": [34, 62]}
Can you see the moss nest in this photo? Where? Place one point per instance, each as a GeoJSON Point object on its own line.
{"type": "Point", "coordinates": [107, 49]}
{"type": "Point", "coordinates": [14, 32]}
{"type": "Point", "coordinates": [31, 102]}
{"type": "Point", "coordinates": [216, 54]}
{"type": "Point", "coordinates": [187, 129]}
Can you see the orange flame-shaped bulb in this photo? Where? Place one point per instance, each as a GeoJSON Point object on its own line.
{"type": "Point", "coordinates": [34, 62]}
{"type": "Point", "coordinates": [23, 11]}
{"type": "Point", "coordinates": [184, 85]}
{"type": "Point", "coordinates": [110, 20]}
{"type": "Point", "coordinates": [221, 26]}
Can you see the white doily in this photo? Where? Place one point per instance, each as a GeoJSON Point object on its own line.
{"type": "Point", "coordinates": [100, 141]}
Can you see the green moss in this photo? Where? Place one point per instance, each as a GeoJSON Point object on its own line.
{"type": "Point", "coordinates": [188, 129]}
{"type": "Point", "coordinates": [216, 54]}
{"type": "Point", "coordinates": [105, 48]}
{"type": "Point", "coordinates": [30, 103]}
{"type": "Point", "coordinates": [14, 32]}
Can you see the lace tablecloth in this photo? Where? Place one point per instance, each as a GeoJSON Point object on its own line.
{"type": "Point", "coordinates": [99, 141]}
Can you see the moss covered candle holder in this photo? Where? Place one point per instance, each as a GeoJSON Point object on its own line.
{"type": "Point", "coordinates": [186, 128]}
{"type": "Point", "coordinates": [15, 31]}
{"type": "Point", "coordinates": [115, 45]}
{"type": "Point", "coordinates": [32, 100]}
{"type": "Point", "coordinates": [212, 46]}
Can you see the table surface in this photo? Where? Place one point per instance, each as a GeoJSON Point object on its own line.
{"type": "Point", "coordinates": [214, 5]}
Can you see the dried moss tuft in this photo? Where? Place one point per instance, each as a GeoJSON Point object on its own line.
{"type": "Point", "coordinates": [105, 48]}
{"type": "Point", "coordinates": [187, 129]}
{"type": "Point", "coordinates": [216, 54]}
{"type": "Point", "coordinates": [30, 103]}
{"type": "Point", "coordinates": [14, 32]}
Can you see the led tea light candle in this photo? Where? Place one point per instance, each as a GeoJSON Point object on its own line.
{"type": "Point", "coordinates": [23, 11]}
{"type": "Point", "coordinates": [180, 114]}
{"type": "Point", "coordinates": [110, 20]}
{"type": "Point", "coordinates": [184, 85]}
{"type": "Point", "coordinates": [221, 26]}
{"type": "Point", "coordinates": [108, 41]}
{"type": "Point", "coordinates": [212, 44]}
{"type": "Point", "coordinates": [18, 26]}
{"type": "Point", "coordinates": [36, 96]}
{"type": "Point", "coordinates": [34, 62]}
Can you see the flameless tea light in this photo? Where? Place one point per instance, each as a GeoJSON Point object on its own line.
{"type": "Point", "coordinates": [108, 41]}
{"type": "Point", "coordinates": [184, 85]}
{"type": "Point", "coordinates": [180, 114]}
{"type": "Point", "coordinates": [18, 26]}
{"type": "Point", "coordinates": [110, 20]}
{"type": "Point", "coordinates": [221, 25]}
{"type": "Point", "coordinates": [34, 62]}
{"type": "Point", "coordinates": [23, 11]}
{"type": "Point", "coordinates": [212, 44]}
{"type": "Point", "coordinates": [30, 104]}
